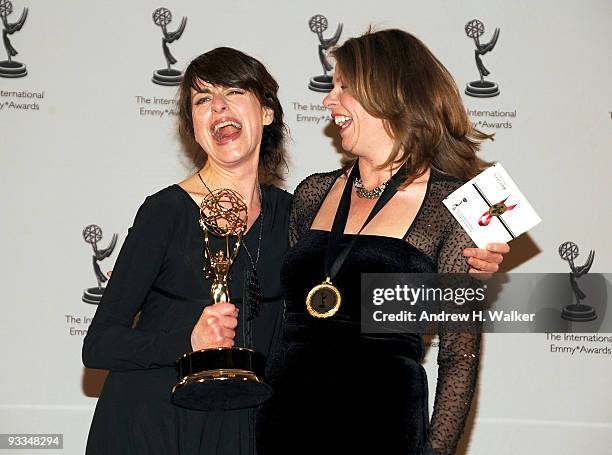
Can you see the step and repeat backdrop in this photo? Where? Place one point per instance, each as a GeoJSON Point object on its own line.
{"type": "Point", "coordinates": [88, 128]}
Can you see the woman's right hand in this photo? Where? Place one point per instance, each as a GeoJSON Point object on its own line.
{"type": "Point", "coordinates": [216, 327]}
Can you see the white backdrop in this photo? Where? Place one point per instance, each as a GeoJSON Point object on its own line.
{"type": "Point", "coordinates": [77, 149]}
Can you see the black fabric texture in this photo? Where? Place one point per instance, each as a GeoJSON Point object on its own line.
{"type": "Point", "coordinates": [337, 391]}
{"type": "Point", "coordinates": [158, 275]}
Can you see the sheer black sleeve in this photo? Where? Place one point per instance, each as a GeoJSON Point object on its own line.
{"type": "Point", "coordinates": [307, 200]}
{"type": "Point", "coordinates": [438, 235]}
{"type": "Point", "coordinates": [112, 342]}
{"type": "Point", "coordinates": [458, 356]}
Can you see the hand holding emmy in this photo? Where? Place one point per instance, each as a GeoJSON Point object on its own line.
{"type": "Point", "coordinates": [217, 375]}
{"type": "Point", "coordinates": [216, 327]}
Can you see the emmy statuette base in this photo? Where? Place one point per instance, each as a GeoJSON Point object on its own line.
{"type": "Point", "coordinates": [170, 77]}
{"type": "Point", "coordinates": [484, 89]}
{"type": "Point", "coordinates": [92, 295]}
{"type": "Point", "coordinates": [220, 379]}
{"type": "Point", "coordinates": [12, 69]}
{"type": "Point", "coordinates": [579, 313]}
{"type": "Point", "coordinates": [321, 83]}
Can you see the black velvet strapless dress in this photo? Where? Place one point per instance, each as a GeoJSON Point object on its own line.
{"type": "Point", "coordinates": [340, 390]}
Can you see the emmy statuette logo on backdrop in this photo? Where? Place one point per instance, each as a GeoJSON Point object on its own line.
{"type": "Point", "coordinates": [318, 24]}
{"type": "Point", "coordinates": [11, 68]}
{"type": "Point", "coordinates": [578, 312]}
{"type": "Point", "coordinates": [92, 234]}
{"type": "Point", "coordinates": [168, 76]}
{"type": "Point", "coordinates": [481, 88]}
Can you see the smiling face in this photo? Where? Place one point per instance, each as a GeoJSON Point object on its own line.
{"type": "Point", "coordinates": [362, 134]}
{"type": "Point", "coordinates": [228, 123]}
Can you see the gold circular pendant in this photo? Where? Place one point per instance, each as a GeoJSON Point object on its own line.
{"type": "Point", "coordinates": [323, 301]}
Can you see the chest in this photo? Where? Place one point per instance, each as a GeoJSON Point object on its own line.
{"type": "Point", "coordinates": [393, 220]}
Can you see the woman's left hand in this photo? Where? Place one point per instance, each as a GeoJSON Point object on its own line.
{"type": "Point", "coordinates": [486, 261]}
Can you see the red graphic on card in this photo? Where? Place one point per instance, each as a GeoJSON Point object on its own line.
{"type": "Point", "coordinates": [495, 210]}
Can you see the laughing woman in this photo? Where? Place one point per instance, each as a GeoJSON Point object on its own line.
{"type": "Point", "coordinates": [229, 104]}
{"type": "Point", "coordinates": [404, 127]}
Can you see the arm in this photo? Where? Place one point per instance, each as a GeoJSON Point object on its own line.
{"type": "Point", "coordinates": [173, 36]}
{"type": "Point", "coordinates": [458, 359]}
{"type": "Point", "coordinates": [112, 342]}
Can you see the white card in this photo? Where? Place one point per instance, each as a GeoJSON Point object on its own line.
{"type": "Point", "coordinates": [491, 208]}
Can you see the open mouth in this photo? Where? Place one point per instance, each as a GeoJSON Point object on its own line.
{"type": "Point", "coordinates": [226, 131]}
{"type": "Point", "coordinates": [342, 121]}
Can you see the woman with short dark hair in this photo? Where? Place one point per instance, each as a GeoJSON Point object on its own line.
{"type": "Point", "coordinates": [229, 107]}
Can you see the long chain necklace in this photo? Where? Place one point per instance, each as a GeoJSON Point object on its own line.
{"type": "Point", "coordinates": [374, 193]}
{"type": "Point", "coordinates": [253, 294]}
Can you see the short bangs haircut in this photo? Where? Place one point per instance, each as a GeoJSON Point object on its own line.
{"type": "Point", "coordinates": [229, 67]}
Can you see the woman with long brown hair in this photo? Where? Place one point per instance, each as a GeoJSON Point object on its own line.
{"type": "Point", "coordinates": [230, 109]}
{"type": "Point", "coordinates": [409, 144]}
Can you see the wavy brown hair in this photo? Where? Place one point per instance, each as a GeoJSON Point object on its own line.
{"type": "Point", "coordinates": [229, 67]}
{"type": "Point", "coordinates": [396, 78]}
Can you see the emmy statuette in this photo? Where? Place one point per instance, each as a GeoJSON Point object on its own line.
{"type": "Point", "coordinates": [92, 234]}
{"type": "Point", "coordinates": [221, 378]}
{"type": "Point", "coordinates": [577, 312]}
{"type": "Point", "coordinates": [11, 68]}
{"type": "Point", "coordinates": [318, 24]}
{"type": "Point", "coordinates": [481, 88]}
{"type": "Point", "coordinates": [168, 76]}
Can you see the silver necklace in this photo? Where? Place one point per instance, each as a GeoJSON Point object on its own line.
{"type": "Point", "coordinates": [374, 193]}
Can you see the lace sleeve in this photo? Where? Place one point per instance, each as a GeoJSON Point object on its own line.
{"type": "Point", "coordinates": [458, 359]}
{"type": "Point", "coordinates": [307, 200]}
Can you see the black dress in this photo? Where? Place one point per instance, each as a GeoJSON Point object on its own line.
{"type": "Point", "coordinates": [340, 391]}
{"type": "Point", "coordinates": [159, 274]}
